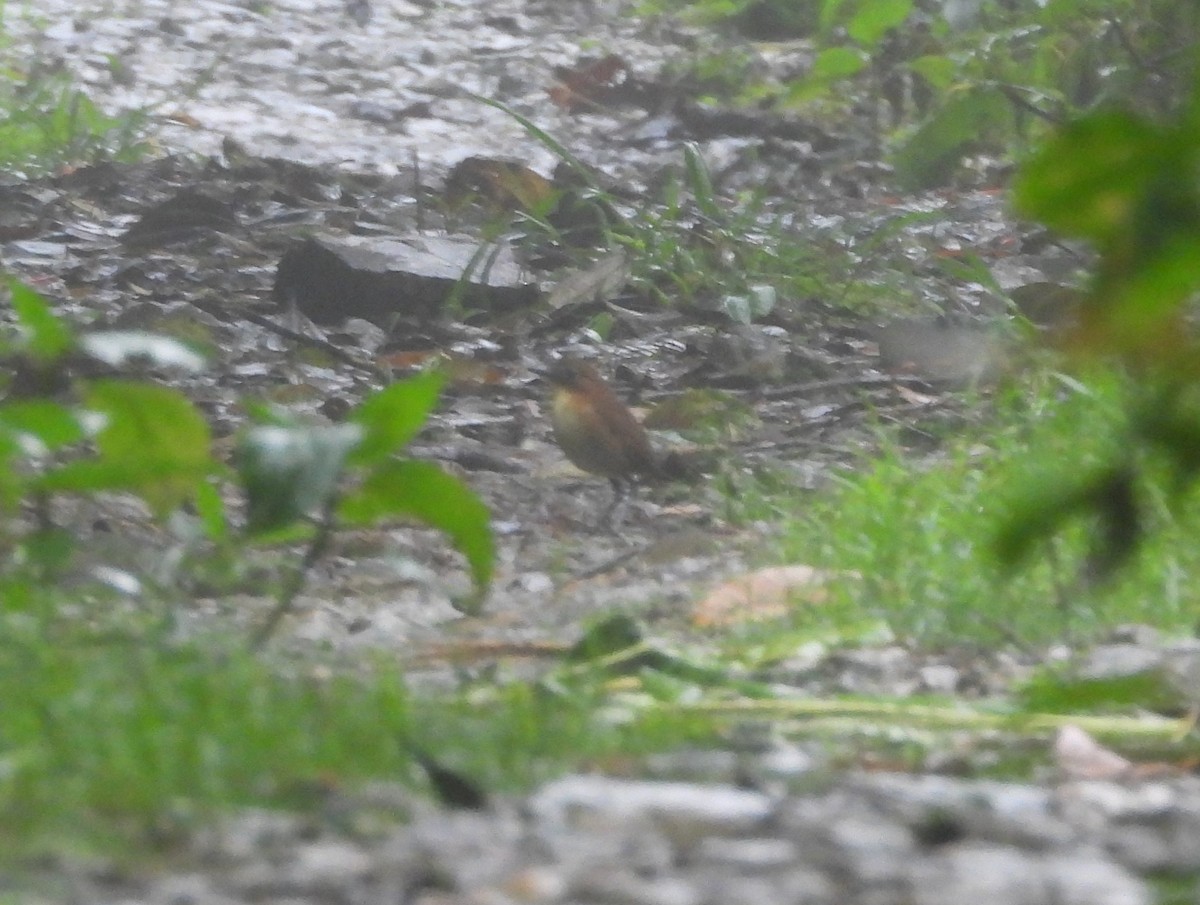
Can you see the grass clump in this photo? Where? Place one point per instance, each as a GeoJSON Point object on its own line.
{"type": "Point", "coordinates": [51, 124]}
{"type": "Point", "coordinates": [48, 123]}
{"type": "Point", "coordinates": [112, 739]}
{"type": "Point", "coordinates": [923, 532]}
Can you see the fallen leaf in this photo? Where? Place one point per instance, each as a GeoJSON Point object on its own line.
{"type": "Point", "coordinates": [184, 119]}
{"type": "Point", "coordinates": [407, 359]}
{"type": "Point", "coordinates": [597, 283]}
{"type": "Point", "coordinates": [764, 594]}
{"type": "Point", "coordinates": [912, 397]}
{"type": "Point", "coordinates": [585, 85]}
{"type": "Point", "coordinates": [460, 370]}
{"type": "Point", "coordinates": [506, 184]}
{"type": "Point", "coordinates": [1080, 756]}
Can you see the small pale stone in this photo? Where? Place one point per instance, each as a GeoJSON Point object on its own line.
{"type": "Point", "coordinates": [747, 854]}
{"type": "Point", "coordinates": [1089, 879]}
{"type": "Point", "coordinates": [616, 887]}
{"type": "Point", "coordinates": [536, 885]}
{"type": "Point", "coordinates": [978, 874]}
{"type": "Point", "coordinates": [939, 678]}
{"type": "Point", "coordinates": [685, 811]}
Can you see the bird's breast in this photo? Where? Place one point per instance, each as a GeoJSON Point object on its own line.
{"type": "Point", "coordinates": [585, 437]}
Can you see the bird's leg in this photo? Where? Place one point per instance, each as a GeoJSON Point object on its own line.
{"type": "Point", "coordinates": [620, 493]}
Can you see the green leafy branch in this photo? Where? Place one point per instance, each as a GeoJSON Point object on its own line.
{"type": "Point", "coordinates": [1127, 183]}
{"type": "Point", "coordinates": [294, 473]}
{"type": "Point", "coordinates": [70, 423]}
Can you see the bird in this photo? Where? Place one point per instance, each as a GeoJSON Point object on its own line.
{"type": "Point", "coordinates": [595, 430]}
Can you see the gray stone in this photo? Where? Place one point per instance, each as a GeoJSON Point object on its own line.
{"type": "Point", "coordinates": [748, 855]}
{"type": "Point", "coordinates": [621, 887]}
{"type": "Point", "coordinates": [686, 812]}
{"type": "Point", "coordinates": [322, 869]}
{"type": "Point", "coordinates": [1148, 826]}
{"type": "Point", "coordinates": [459, 851]}
{"type": "Point", "coordinates": [187, 889]}
{"type": "Point", "coordinates": [1008, 813]}
{"type": "Point", "coordinates": [1093, 879]}
{"type": "Point", "coordinates": [726, 889]}
{"type": "Point", "coordinates": [961, 875]}
{"type": "Point", "coordinates": [838, 834]}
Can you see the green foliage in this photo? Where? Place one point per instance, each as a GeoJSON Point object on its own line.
{"type": "Point", "coordinates": [1058, 690]}
{"type": "Point", "coordinates": [691, 248]}
{"type": "Point", "coordinates": [391, 418]}
{"type": "Point", "coordinates": [64, 431]}
{"type": "Point", "coordinates": [46, 123]}
{"type": "Point", "coordinates": [1126, 183]}
{"type": "Point", "coordinates": [125, 743]}
{"type": "Point", "coordinates": [143, 439]}
{"type": "Point", "coordinates": [972, 77]}
{"type": "Point", "coordinates": [44, 337]}
{"type": "Point", "coordinates": [292, 472]}
{"type": "Point", "coordinates": [423, 491]}
{"type": "Point", "coordinates": [922, 533]}
{"type": "Point", "coordinates": [151, 441]}
{"type": "Point", "coordinates": [937, 145]}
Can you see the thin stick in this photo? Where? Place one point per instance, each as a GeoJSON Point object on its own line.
{"type": "Point", "coordinates": [299, 577]}
{"type": "Point", "coordinates": [610, 563]}
{"type": "Point", "coordinates": [816, 386]}
{"type": "Point", "coordinates": [287, 333]}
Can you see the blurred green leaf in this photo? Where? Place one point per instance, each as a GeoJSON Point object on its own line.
{"type": "Point", "coordinates": [755, 304]}
{"type": "Point", "coordinates": [423, 491]}
{"type": "Point", "coordinates": [291, 472]}
{"type": "Point", "coordinates": [1107, 495]}
{"type": "Point", "coordinates": [50, 549]}
{"type": "Point", "coordinates": [602, 324]}
{"type": "Point", "coordinates": [1130, 186]}
{"type": "Point", "coordinates": [605, 637]}
{"type": "Point", "coordinates": [391, 417]}
{"type": "Point", "coordinates": [1053, 692]}
{"type": "Point", "coordinates": [939, 71]}
{"type": "Point", "coordinates": [1088, 180]}
{"type": "Point", "coordinates": [700, 182]}
{"type": "Point", "coordinates": [40, 423]}
{"type": "Point", "coordinates": [153, 443]}
{"type": "Point", "coordinates": [1168, 421]}
{"type": "Point", "coordinates": [211, 510]}
{"type": "Point", "coordinates": [931, 155]}
{"type": "Point", "coordinates": [829, 14]}
{"type": "Point", "coordinates": [875, 18]}
{"type": "Point", "coordinates": [45, 336]}
{"type": "Point", "coordinates": [737, 309]}
{"type": "Point", "coordinates": [831, 65]}
{"type": "Point", "coordinates": [12, 484]}
{"type": "Point", "coordinates": [837, 63]}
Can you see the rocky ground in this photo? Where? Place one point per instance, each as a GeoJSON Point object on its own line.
{"type": "Point", "coordinates": [859, 838]}
{"type": "Point", "coordinates": [346, 119]}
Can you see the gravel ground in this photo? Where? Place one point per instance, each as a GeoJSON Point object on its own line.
{"type": "Point", "coordinates": [312, 83]}
{"type": "Point", "coordinates": [857, 838]}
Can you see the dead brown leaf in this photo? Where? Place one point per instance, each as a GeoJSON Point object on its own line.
{"type": "Point", "coordinates": [586, 85]}
{"type": "Point", "coordinates": [1079, 756]}
{"type": "Point", "coordinates": [505, 184]}
{"type": "Point", "coordinates": [764, 594]}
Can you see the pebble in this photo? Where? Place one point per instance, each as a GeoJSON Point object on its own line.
{"type": "Point", "coordinates": [683, 811]}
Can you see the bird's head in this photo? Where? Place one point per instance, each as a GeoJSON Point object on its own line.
{"type": "Point", "coordinates": [570, 373]}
